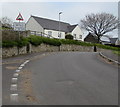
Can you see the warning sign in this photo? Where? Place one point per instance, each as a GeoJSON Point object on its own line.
{"type": "Point", "coordinates": [20, 18]}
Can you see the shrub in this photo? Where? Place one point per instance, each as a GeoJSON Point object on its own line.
{"type": "Point", "coordinates": [9, 43]}
{"type": "Point", "coordinates": [69, 36]}
{"type": "Point", "coordinates": [63, 41]}
{"type": "Point", "coordinates": [22, 42]}
{"type": "Point", "coordinates": [49, 41]}
{"type": "Point", "coordinates": [35, 40]}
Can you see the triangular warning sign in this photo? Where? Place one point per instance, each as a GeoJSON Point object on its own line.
{"type": "Point", "coordinates": [19, 17]}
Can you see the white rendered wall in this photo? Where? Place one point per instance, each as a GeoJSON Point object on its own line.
{"type": "Point", "coordinates": [78, 32]}
{"type": "Point", "coordinates": [55, 33]}
{"type": "Point", "coordinates": [33, 25]}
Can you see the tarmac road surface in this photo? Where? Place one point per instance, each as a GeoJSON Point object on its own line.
{"type": "Point", "coordinates": [69, 78]}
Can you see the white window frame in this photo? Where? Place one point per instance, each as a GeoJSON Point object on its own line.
{"type": "Point", "coordinates": [49, 33]}
{"type": "Point", "coordinates": [59, 34]}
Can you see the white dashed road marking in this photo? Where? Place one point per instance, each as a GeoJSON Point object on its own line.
{"type": "Point", "coordinates": [14, 80]}
{"type": "Point", "coordinates": [14, 97]}
{"type": "Point", "coordinates": [26, 61]}
{"type": "Point", "coordinates": [13, 87]}
{"type": "Point", "coordinates": [15, 75]}
{"type": "Point", "coordinates": [17, 70]}
{"type": "Point", "coordinates": [20, 67]}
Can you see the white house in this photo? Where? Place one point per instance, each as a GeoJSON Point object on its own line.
{"type": "Point", "coordinates": [51, 28]}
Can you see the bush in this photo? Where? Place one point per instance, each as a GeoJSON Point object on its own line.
{"type": "Point", "coordinates": [63, 41]}
{"type": "Point", "coordinates": [49, 41]}
{"type": "Point", "coordinates": [35, 40]}
{"type": "Point", "coordinates": [69, 36]}
{"type": "Point", "coordinates": [9, 43]}
{"type": "Point", "coordinates": [22, 42]}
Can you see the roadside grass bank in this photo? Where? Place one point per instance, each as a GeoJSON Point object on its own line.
{"type": "Point", "coordinates": [117, 52]}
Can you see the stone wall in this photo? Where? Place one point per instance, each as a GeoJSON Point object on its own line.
{"type": "Point", "coordinates": [76, 48]}
{"type": "Point", "coordinates": [23, 50]}
{"type": "Point", "coordinates": [43, 48]}
{"type": "Point", "coordinates": [8, 52]}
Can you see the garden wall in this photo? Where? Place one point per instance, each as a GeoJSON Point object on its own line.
{"type": "Point", "coordinates": [8, 52]}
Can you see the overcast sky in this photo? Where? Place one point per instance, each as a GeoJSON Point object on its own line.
{"type": "Point", "coordinates": [73, 12]}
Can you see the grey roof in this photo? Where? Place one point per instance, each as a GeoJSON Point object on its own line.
{"type": "Point", "coordinates": [71, 27]}
{"type": "Point", "coordinates": [113, 40]}
{"type": "Point", "coordinates": [54, 25]}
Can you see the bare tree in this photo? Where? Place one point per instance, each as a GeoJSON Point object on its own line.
{"type": "Point", "coordinates": [6, 22]}
{"type": "Point", "coordinates": [99, 24]}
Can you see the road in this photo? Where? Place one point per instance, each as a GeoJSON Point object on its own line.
{"type": "Point", "coordinates": [68, 78]}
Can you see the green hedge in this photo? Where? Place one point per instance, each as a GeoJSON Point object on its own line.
{"type": "Point", "coordinates": [20, 43]}
{"type": "Point", "coordinates": [9, 43]}
{"type": "Point", "coordinates": [66, 41]}
{"type": "Point", "coordinates": [37, 40]}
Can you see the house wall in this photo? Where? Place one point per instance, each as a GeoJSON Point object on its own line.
{"type": "Point", "coordinates": [78, 32]}
{"type": "Point", "coordinates": [55, 33]}
{"type": "Point", "coordinates": [33, 25]}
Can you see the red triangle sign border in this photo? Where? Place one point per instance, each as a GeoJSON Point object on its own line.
{"type": "Point", "coordinates": [19, 17]}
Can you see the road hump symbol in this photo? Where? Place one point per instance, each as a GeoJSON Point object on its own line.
{"type": "Point", "coordinates": [20, 18]}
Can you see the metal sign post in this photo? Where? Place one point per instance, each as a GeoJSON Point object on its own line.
{"type": "Point", "coordinates": [19, 18]}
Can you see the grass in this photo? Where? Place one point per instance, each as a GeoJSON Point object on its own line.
{"type": "Point", "coordinates": [116, 52]}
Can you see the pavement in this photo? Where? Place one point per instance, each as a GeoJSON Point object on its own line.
{"type": "Point", "coordinates": [111, 55]}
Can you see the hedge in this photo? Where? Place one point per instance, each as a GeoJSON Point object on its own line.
{"type": "Point", "coordinates": [20, 43]}
{"type": "Point", "coordinates": [66, 41]}
{"type": "Point", "coordinates": [9, 44]}
{"type": "Point", "coordinates": [37, 40]}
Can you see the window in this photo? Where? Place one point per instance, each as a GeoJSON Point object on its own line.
{"type": "Point", "coordinates": [59, 35]}
{"type": "Point", "coordinates": [74, 35]}
{"type": "Point", "coordinates": [80, 36]}
{"type": "Point", "coordinates": [49, 33]}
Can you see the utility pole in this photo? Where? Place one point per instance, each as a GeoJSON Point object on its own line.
{"type": "Point", "coordinates": [59, 24]}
